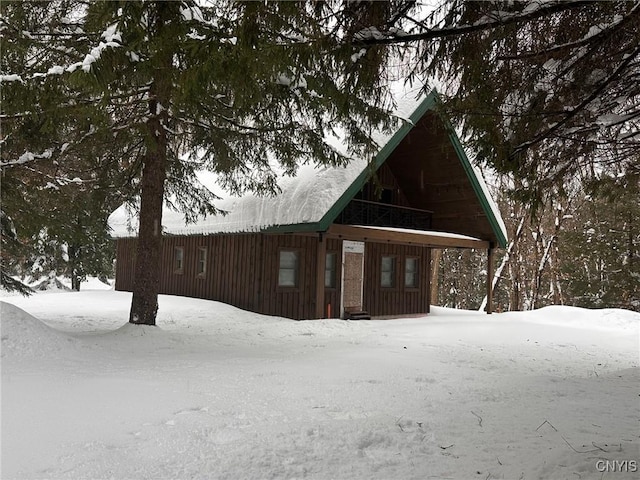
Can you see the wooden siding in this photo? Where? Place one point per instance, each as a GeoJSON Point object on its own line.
{"type": "Point", "coordinates": [294, 302]}
{"type": "Point", "coordinates": [384, 178]}
{"type": "Point", "coordinates": [229, 274]}
{"type": "Point", "coordinates": [432, 177]}
{"type": "Point", "coordinates": [125, 263]}
{"type": "Point", "coordinates": [242, 270]}
{"type": "Point", "coordinates": [396, 300]}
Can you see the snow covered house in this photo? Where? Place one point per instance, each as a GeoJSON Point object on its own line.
{"type": "Point", "coordinates": [347, 242]}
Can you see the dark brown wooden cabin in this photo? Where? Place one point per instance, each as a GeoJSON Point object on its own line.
{"type": "Point", "coordinates": [368, 255]}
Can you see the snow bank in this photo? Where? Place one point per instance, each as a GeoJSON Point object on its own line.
{"type": "Point", "coordinates": [25, 336]}
{"type": "Point", "coordinates": [583, 318]}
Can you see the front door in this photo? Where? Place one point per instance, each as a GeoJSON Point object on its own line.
{"type": "Point", "coordinates": [352, 276]}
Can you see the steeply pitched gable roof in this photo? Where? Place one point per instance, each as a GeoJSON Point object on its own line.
{"type": "Point", "coordinates": [312, 199]}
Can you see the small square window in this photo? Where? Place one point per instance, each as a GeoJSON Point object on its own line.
{"type": "Point", "coordinates": [288, 272]}
{"type": "Point", "coordinates": [388, 272]}
{"type": "Point", "coordinates": [330, 271]}
{"type": "Point", "coordinates": [201, 268]}
{"type": "Point", "coordinates": [178, 260]}
{"type": "Point", "coordinates": [411, 273]}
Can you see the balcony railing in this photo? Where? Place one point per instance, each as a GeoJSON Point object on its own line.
{"type": "Point", "coordinates": [363, 212]}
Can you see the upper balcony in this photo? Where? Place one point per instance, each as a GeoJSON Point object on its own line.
{"type": "Point", "coordinates": [374, 214]}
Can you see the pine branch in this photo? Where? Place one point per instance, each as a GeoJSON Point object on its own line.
{"type": "Point", "coordinates": [547, 53]}
{"type": "Point", "coordinates": [496, 22]}
{"type": "Point", "coordinates": [574, 111]}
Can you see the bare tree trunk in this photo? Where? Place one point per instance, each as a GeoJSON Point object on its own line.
{"type": "Point", "coordinates": [514, 294]}
{"type": "Point", "coordinates": [146, 285]}
{"type": "Point", "coordinates": [505, 260]}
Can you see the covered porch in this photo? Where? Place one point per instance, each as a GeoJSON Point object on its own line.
{"type": "Point", "coordinates": [356, 239]}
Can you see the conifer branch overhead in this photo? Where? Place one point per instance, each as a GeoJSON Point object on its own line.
{"type": "Point", "coordinates": [492, 21]}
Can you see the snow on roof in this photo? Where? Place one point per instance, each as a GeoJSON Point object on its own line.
{"type": "Point", "coordinates": [304, 199]}
{"type": "Point", "coordinates": [426, 233]}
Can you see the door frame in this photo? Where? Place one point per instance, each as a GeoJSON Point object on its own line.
{"type": "Point", "coordinates": [355, 247]}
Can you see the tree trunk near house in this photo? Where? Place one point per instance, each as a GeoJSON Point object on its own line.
{"type": "Point", "coordinates": [146, 284]}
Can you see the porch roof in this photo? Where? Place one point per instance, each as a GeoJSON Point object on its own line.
{"type": "Point", "coordinates": [405, 236]}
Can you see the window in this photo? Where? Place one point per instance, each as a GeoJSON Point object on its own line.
{"type": "Point", "coordinates": [411, 273]}
{"type": "Point", "coordinates": [201, 268]}
{"type": "Point", "coordinates": [178, 260]}
{"type": "Point", "coordinates": [388, 269]}
{"type": "Point", "coordinates": [288, 273]}
{"type": "Point", "coordinates": [330, 270]}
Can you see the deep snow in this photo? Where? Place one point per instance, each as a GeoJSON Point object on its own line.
{"type": "Point", "coordinates": [216, 392]}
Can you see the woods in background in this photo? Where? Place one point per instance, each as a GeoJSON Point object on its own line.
{"type": "Point", "coordinates": [580, 249]}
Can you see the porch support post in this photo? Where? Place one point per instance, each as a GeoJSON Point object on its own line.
{"type": "Point", "coordinates": [427, 278]}
{"type": "Point", "coordinates": [320, 266]}
{"type": "Point", "coordinates": [490, 274]}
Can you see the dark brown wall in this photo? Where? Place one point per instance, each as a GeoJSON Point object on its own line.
{"type": "Point", "coordinates": [125, 263]}
{"type": "Point", "coordinates": [242, 270]}
{"type": "Point", "coordinates": [427, 168]}
{"type": "Point", "coordinates": [231, 270]}
{"type": "Point", "coordinates": [398, 300]}
{"type": "Point", "coordinates": [332, 295]}
{"type": "Point", "coordinates": [384, 178]}
{"type": "Point", "coordinates": [293, 302]}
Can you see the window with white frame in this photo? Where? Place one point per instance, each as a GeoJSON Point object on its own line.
{"type": "Point", "coordinates": [288, 271]}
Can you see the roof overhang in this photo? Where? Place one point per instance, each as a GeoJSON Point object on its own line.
{"type": "Point", "coordinates": [404, 237]}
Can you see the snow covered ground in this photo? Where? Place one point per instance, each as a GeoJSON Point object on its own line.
{"type": "Point", "coordinates": [216, 392]}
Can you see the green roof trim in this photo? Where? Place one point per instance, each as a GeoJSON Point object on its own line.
{"type": "Point", "coordinates": [427, 104]}
{"type": "Point", "coordinates": [295, 228]}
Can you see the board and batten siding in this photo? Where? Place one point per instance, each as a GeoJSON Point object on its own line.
{"type": "Point", "coordinates": [125, 263]}
{"type": "Point", "coordinates": [396, 300]}
{"type": "Point", "coordinates": [230, 272]}
{"type": "Point", "coordinates": [242, 270]}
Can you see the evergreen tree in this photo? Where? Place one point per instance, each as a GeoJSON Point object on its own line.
{"type": "Point", "coordinates": [177, 87]}
{"type": "Point", "coordinates": [59, 164]}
